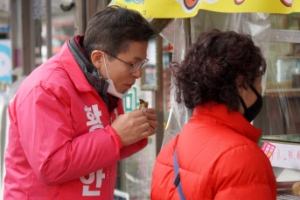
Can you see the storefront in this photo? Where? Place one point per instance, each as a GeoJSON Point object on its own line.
{"type": "Point", "coordinates": [276, 29]}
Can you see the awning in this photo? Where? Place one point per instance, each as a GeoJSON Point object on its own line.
{"type": "Point", "coordinates": [189, 8]}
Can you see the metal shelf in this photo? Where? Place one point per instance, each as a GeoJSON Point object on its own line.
{"type": "Point", "coordinates": [291, 36]}
{"type": "Point", "coordinates": [283, 92]}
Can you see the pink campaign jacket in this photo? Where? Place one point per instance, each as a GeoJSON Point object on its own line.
{"type": "Point", "coordinates": [61, 145]}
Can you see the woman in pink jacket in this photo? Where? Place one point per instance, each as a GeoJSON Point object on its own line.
{"type": "Point", "coordinates": [216, 156]}
{"type": "Point", "coordinates": [67, 128]}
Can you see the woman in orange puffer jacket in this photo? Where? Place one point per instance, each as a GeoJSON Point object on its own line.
{"type": "Point", "coordinates": [217, 153]}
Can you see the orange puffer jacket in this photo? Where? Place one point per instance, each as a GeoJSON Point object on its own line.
{"type": "Point", "coordinates": [218, 157]}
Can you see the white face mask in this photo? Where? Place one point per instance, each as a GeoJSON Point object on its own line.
{"type": "Point", "coordinates": [111, 87]}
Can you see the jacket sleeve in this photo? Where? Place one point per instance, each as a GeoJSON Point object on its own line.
{"type": "Point", "coordinates": [163, 175]}
{"type": "Point", "coordinates": [244, 173]}
{"type": "Point", "coordinates": [129, 150]}
{"type": "Point", "coordinates": [47, 138]}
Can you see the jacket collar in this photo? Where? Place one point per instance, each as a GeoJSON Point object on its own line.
{"type": "Point", "coordinates": [73, 48]}
{"type": "Point", "coordinates": [231, 119]}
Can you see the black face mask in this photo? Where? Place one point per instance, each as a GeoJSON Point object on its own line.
{"type": "Point", "coordinates": [251, 112]}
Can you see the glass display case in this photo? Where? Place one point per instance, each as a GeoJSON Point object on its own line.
{"type": "Point", "coordinates": [280, 113]}
{"type": "Point", "coordinates": [278, 36]}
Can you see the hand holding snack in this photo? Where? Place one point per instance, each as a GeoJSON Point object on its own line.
{"type": "Point", "coordinates": [136, 125]}
{"type": "Point", "coordinates": [131, 127]}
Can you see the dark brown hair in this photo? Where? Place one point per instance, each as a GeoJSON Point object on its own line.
{"type": "Point", "coordinates": [209, 70]}
{"type": "Point", "coordinates": [113, 28]}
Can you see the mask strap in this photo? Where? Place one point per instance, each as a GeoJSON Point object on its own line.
{"type": "Point", "coordinates": [243, 103]}
{"type": "Point", "coordinates": [254, 90]}
{"type": "Point", "coordinates": [105, 65]}
{"type": "Point", "coordinates": [241, 99]}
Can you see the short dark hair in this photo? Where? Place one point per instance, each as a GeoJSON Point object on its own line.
{"type": "Point", "coordinates": [209, 70]}
{"type": "Point", "coordinates": [113, 28]}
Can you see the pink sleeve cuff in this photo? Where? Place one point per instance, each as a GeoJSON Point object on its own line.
{"type": "Point", "coordinates": [115, 136]}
